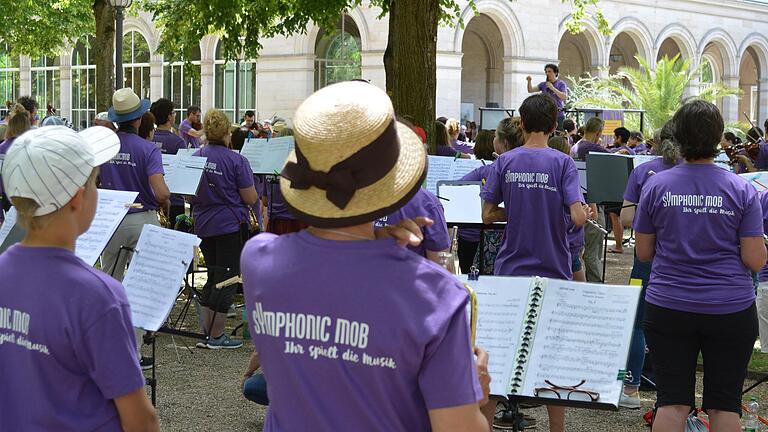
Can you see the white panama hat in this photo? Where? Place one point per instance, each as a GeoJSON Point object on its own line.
{"type": "Point", "coordinates": [49, 164]}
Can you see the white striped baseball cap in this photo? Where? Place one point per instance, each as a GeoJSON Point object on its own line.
{"type": "Point", "coordinates": [49, 164]}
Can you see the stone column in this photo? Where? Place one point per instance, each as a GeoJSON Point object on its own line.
{"type": "Point", "coordinates": [373, 68]}
{"type": "Point", "coordinates": [156, 77]}
{"type": "Point", "coordinates": [448, 103]}
{"type": "Point", "coordinates": [206, 85]}
{"type": "Point", "coordinates": [731, 103]}
{"type": "Point", "coordinates": [65, 70]}
{"type": "Point", "coordinates": [762, 103]}
{"type": "Point", "coordinates": [692, 89]}
{"type": "Point", "coordinates": [25, 76]}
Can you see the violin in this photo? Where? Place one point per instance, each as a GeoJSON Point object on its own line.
{"type": "Point", "coordinates": [751, 149]}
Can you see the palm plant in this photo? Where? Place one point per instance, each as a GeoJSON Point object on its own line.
{"type": "Point", "coordinates": [658, 91]}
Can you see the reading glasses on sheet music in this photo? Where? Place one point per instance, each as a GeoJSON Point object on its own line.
{"type": "Point", "coordinates": [571, 393]}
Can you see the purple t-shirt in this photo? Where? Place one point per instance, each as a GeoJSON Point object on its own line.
{"type": "Point", "coordinates": [762, 157]}
{"type": "Point", "coordinates": [585, 147]}
{"type": "Point", "coordinates": [698, 213]}
{"type": "Point", "coordinates": [624, 147]}
{"type": "Point", "coordinates": [218, 208]}
{"type": "Point", "coordinates": [463, 147]}
{"type": "Point", "coordinates": [478, 174]}
{"type": "Point", "coordinates": [367, 337]}
{"type": "Point", "coordinates": [445, 151]}
{"type": "Point", "coordinates": [131, 168]}
{"type": "Point", "coordinates": [184, 127]}
{"type": "Point", "coordinates": [575, 237]}
{"type": "Point", "coordinates": [68, 344]}
{"type": "Point", "coordinates": [561, 86]}
{"type": "Point", "coordinates": [640, 148]}
{"type": "Point", "coordinates": [537, 186]}
{"type": "Point", "coordinates": [170, 143]}
{"type": "Point", "coordinates": [424, 203]}
{"type": "Point", "coordinates": [640, 175]}
{"type": "Point", "coordinates": [763, 196]}
{"type": "Point", "coordinates": [275, 202]}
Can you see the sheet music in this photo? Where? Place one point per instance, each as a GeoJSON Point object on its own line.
{"type": "Point", "coordinates": [462, 167]}
{"type": "Point", "coordinates": [583, 333]}
{"type": "Point", "coordinates": [10, 221]}
{"type": "Point", "coordinates": [183, 173]}
{"type": "Point", "coordinates": [448, 168]}
{"type": "Point", "coordinates": [582, 167]}
{"type": "Point", "coordinates": [186, 151]}
{"type": "Point", "coordinates": [267, 156]}
{"type": "Point", "coordinates": [757, 179]}
{"type": "Point", "coordinates": [156, 271]}
{"type": "Point", "coordinates": [110, 212]}
{"type": "Point", "coordinates": [501, 303]}
{"type": "Point", "coordinates": [641, 159]}
{"type": "Point", "coordinates": [461, 204]}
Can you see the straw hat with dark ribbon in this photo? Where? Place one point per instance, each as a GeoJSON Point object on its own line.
{"type": "Point", "coordinates": [353, 162]}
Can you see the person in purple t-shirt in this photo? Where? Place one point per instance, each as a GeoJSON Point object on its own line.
{"type": "Point", "coordinates": [469, 238]}
{"type": "Point", "coordinates": [221, 221]}
{"type": "Point", "coordinates": [443, 140]}
{"type": "Point", "coordinates": [553, 87]}
{"type": "Point", "coordinates": [539, 187]}
{"type": "Point", "coordinates": [762, 288]}
{"type": "Point", "coordinates": [377, 333]}
{"type": "Point", "coordinates": [436, 237]}
{"type": "Point", "coordinates": [637, 143]}
{"type": "Point", "coordinates": [74, 365]}
{"type": "Point", "coordinates": [168, 143]}
{"type": "Point", "coordinates": [670, 157]}
{"type": "Point", "coordinates": [703, 228]}
{"type": "Point", "coordinates": [137, 167]}
{"type": "Point", "coordinates": [591, 141]}
{"type": "Point", "coordinates": [190, 129]}
{"type": "Point", "coordinates": [454, 130]}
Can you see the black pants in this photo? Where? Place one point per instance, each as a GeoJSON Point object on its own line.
{"type": "Point", "coordinates": [467, 250]}
{"type": "Point", "coordinates": [222, 259]}
{"type": "Point", "coordinates": [675, 339]}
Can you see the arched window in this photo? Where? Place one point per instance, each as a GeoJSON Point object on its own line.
{"type": "Point", "coordinates": [224, 88]}
{"type": "Point", "coordinates": [46, 83]}
{"type": "Point", "coordinates": [136, 63]}
{"type": "Point", "coordinates": [181, 84]}
{"type": "Point", "coordinates": [9, 74]}
{"type": "Point", "coordinates": [83, 84]}
{"type": "Point", "coordinates": [338, 54]}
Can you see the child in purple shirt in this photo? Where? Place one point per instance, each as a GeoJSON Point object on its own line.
{"type": "Point", "coordinates": [703, 228]}
{"type": "Point", "coordinates": [74, 364]}
{"type": "Point", "coordinates": [436, 237]}
{"type": "Point", "coordinates": [539, 187]}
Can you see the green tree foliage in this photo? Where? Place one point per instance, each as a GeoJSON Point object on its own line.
{"type": "Point", "coordinates": [37, 28]}
{"type": "Point", "coordinates": [659, 91]}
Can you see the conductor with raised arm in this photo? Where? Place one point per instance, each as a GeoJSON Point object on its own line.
{"type": "Point", "coordinates": [553, 87]}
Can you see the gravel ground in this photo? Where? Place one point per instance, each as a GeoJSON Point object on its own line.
{"type": "Point", "coordinates": [199, 390]}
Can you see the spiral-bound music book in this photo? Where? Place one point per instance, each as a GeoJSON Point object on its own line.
{"type": "Point", "coordinates": [555, 341]}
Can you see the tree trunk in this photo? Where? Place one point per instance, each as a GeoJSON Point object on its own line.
{"type": "Point", "coordinates": [103, 50]}
{"type": "Point", "coordinates": [410, 61]}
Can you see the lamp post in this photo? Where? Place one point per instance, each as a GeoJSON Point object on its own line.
{"type": "Point", "coordinates": [119, 6]}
